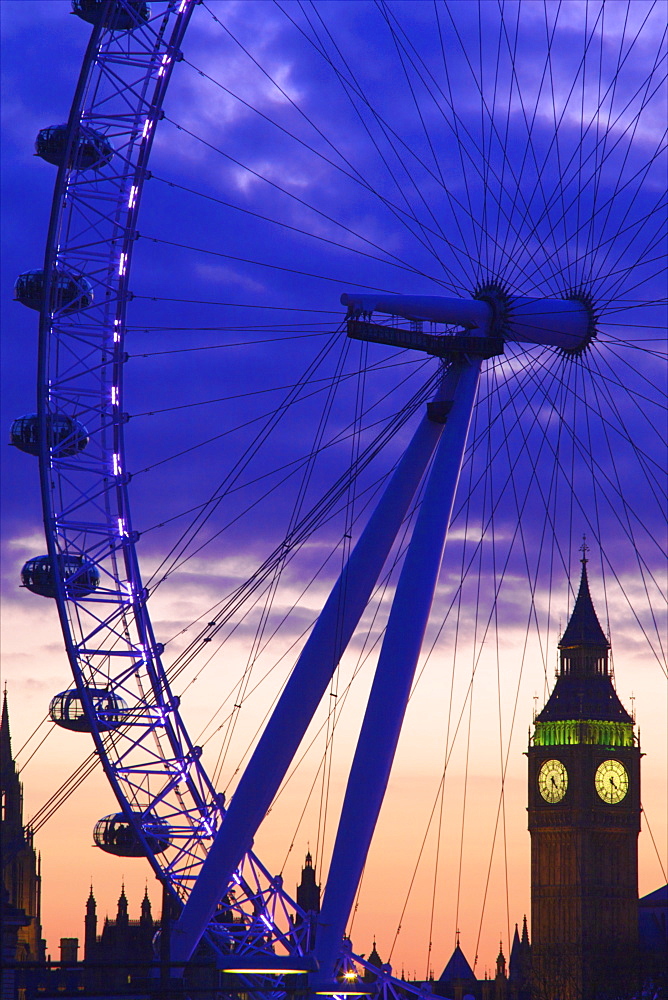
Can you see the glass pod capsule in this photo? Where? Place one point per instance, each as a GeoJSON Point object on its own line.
{"type": "Point", "coordinates": [118, 16]}
{"type": "Point", "coordinates": [66, 435]}
{"type": "Point", "coordinates": [69, 291]}
{"type": "Point", "coordinates": [80, 577]}
{"type": "Point", "coordinates": [66, 710]}
{"type": "Point", "coordinates": [115, 835]}
{"type": "Point", "coordinates": [90, 149]}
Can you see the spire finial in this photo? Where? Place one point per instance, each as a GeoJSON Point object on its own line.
{"type": "Point", "coordinates": [5, 736]}
{"type": "Point", "coordinates": [583, 628]}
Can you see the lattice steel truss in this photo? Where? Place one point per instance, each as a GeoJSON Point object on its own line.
{"type": "Point", "coordinates": [152, 765]}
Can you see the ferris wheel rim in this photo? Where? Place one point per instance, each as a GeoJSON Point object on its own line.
{"type": "Point", "coordinates": [80, 118]}
{"type": "Point", "coordinates": [160, 709]}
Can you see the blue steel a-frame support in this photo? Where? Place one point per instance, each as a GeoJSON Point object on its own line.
{"type": "Point", "coordinates": [561, 323]}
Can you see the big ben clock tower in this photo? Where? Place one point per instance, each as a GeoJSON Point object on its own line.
{"type": "Point", "coordinates": [584, 820]}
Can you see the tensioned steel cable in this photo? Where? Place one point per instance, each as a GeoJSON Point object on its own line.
{"type": "Point", "coordinates": [61, 795]}
{"type": "Point", "coordinates": [353, 173]}
{"type": "Point", "coordinates": [295, 516]}
{"type": "Point", "coordinates": [322, 507]}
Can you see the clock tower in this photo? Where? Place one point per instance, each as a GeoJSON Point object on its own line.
{"type": "Point", "coordinates": [584, 820]}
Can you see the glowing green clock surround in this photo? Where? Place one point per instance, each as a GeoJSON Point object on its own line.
{"type": "Point", "coordinates": [563, 732]}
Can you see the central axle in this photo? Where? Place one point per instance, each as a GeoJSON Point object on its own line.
{"type": "Point", "coordinates": [568, 324]}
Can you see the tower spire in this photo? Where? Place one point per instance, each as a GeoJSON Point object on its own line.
{"type": "Point", "coordinates": [13, 834]}
{"type": "Point", "coordinates": [584, 688]}
{"type": "Point", "coordinates": [584, 628]}
{"type": "Point", "coordinates": [122, 914]}
{"type": "Point", "coordinates": [21, 865]}
{"type": "Point", "coordinates": [5, 738]}
{"type": "Point", "coordinates": [90, 925]}
{"type": "Point", "coordinates": [146, 914]}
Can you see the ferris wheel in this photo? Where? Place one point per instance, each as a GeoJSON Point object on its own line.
{"type": "Point", "coordinates": [494, 370]}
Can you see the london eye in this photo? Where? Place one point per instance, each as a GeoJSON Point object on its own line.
{"type": "Point", "coordinates": [383, 342]}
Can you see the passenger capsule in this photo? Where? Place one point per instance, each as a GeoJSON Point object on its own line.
{"type": "Point", "coordinates": [67, 711]}
{"type": "Point", "coordinates": [66, 435]}
{"type": "Point", "coordinates": [90, 149]}
{"type": "Point", "coordinates": [120, 17]}
{"type": "Point", "coordinates": [80, 577]}
{"type": "Point", "coordinates": [115, 835]}
{"type": "Point", "coordinates": [69, 291]}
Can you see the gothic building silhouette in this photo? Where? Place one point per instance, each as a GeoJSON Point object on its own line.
{"type": "Point", "coordinates": [21, 876]}
{"type": "Point", "coordinates": [123, 951]}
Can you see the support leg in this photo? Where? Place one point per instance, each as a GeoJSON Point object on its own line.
{"type": "Point", "coordinates": [303, 693]}
{"type": "Point", "coordinates": [394, 676]}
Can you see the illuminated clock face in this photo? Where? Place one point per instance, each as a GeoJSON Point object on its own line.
{"type": "Point", "coordinates": [552, 780]}
{"type": "Point", "coordinates": [612, 781]}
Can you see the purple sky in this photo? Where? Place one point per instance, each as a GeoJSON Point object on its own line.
{"type": "Point", "coordinates": [308, 151]}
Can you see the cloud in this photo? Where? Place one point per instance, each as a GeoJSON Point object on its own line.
{"type": "Point", "coordinates": [218, 274]}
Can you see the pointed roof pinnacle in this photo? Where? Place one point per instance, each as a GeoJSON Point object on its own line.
{"type": "Point", "coordinates": [501, 963]}
{"type": "Point", "coordinates": [374, 957]}
{"type": "Point", "coordinates": [122, 900]}
{"type": "Point", "coordinates": [457, 967]}
{"type": "Point", "coordinates": [5, 737]}
{"type": "Point", "coordinates": [584, 628]}
{"type": "Point", "coordinates": [515, 948]}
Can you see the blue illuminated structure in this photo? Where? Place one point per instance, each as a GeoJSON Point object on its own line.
{"type": "Point", "coordinates": [170, 810]}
